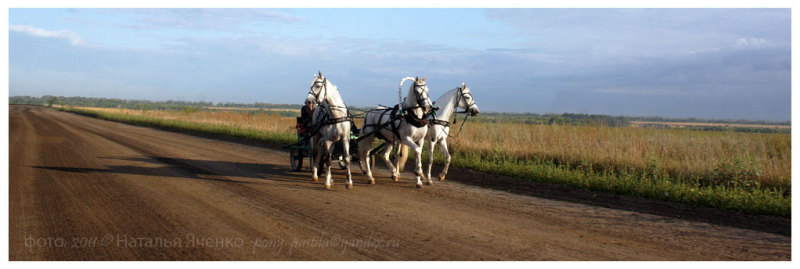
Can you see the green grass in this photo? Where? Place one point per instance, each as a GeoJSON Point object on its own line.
{"type": "Point", "coordinates": [775, 201]}
{"type": "Point", "coordinates": [766, 201]}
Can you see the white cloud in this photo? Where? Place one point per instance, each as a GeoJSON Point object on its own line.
{"type": "Point", "coordinates": [215, 19]}
{"type": "Point", "coordinates": [750, 41]}
{"type": "Point", "coordinates": [68, 35]}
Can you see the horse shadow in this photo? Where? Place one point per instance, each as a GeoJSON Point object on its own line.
{"type": "Point", "coordinates": [207, 170]}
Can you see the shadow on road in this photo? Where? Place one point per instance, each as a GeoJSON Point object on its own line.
{"type": "Point", "coordinates": [221, 171]}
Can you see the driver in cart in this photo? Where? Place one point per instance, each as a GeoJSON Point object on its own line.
{"type": "Point", "coordinates": [304, 121]}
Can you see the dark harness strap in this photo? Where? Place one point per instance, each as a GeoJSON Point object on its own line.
{"type": "Point", "coordinates": [440, 122]}
{"type": "Point", "coordinates": [336, 120]}
{"type": "Point", "coordinates": [413, 120]}
{"type": "Point", "coordinates": [393, 123]}
{"type": "Point", "coordinates": [325, 120]}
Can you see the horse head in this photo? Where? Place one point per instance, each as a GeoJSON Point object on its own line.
{"type": "Point", "coordinates": [418, 95]}
{"type": "Point", "coordinates": [467, 102]}
{"type": "Point", "coordinates": [317, 91]}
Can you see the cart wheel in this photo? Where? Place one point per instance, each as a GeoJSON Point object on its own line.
{"type": "Point", "coordinates": [296, 159]}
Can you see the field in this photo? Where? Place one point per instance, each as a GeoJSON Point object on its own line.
{"type": "Point", "coordinates": [747, 172]}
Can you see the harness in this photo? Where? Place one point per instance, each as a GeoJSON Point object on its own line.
{"type": "Point", "coordinates": [326, 119]}
{"type": "Point", "coordinates": [440, 122]}
{"type": "Point", "coordinates": [326, 108]}
{"type": "Point", "coordinates": [446, 123]}
{"type": "Point", "coordinates": [391, 122]}
{"type": "Point", "coordinates": [394, 123]}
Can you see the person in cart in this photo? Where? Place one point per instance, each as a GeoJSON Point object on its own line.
{"type": "Point", "coordinates": [304, 121]}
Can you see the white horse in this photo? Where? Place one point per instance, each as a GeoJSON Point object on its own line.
{"type": "Point", "coordinates": [330, 124]}
{"type": "Point", "coordinates": [440, 123]}
{"type": "Point", "coordinates": [408, 129]}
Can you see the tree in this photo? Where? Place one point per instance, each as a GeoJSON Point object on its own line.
{"type": "Point", "coordinates": [51, 101]}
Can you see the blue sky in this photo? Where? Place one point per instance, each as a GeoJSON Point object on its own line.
{"type": "Point", "coordinates": [709, 63]}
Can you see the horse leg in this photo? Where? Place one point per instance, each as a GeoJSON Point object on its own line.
{"type": "Point", "coordinates": [364, 149]}
{"type": "Point", "coordinates": [430, 156]}
{"type": "Point", "coordinates": [386, 152]}
{"type": "Point", "coordinates": [421, 143]}
{"type": "Point", "coordinates": [346, 147]}
{"type": "Point", "coordinates": [443, 147]}
{"type": "Point", "coordinates": [315, 154]}
{"type": "Point", "coordinates": [415, 145]}
{"type": "Point", "coordinates": [328, 152]}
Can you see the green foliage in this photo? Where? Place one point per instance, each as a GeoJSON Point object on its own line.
{"type": "Point", "coordinates": [51, 101]}
{"type": "Point", "coordinates": [188, 109]}
{"type": "Point", "coordinates": [559, 119]}
{"type": "Point", "coordinates": [733, 174]}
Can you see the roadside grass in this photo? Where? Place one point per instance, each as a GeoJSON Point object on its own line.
{"type": "Point", "coordinates": [761, 201]}
{"type": "Point", "coordinates": [743, 172]}
{"type": "Point", "coordinates": [230, 130]}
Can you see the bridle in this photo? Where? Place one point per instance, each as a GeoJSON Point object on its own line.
{"type": "Point", "coordinates": [325, 97]}
{"type": "Point", "coordinates": [418, 95]}
{"type": "Point", "coordinates": [316, 95]}
{"type": "Point", "coordinates": [326, 120]}
{"type": "Point", "coordinates": [469, 104]}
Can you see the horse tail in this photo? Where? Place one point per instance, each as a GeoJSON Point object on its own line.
{"type": "Point", "coordinates": [403, 155]}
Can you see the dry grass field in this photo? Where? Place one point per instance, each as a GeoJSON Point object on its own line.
{"type": "Point", "coordinates": [683, 153]}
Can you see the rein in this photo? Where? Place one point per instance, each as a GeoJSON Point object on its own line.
{"type": "Point", "coordinates": [466, 116]}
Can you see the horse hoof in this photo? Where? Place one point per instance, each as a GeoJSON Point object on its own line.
{"type": "Point", "coordinates": [428, 183]}
{"type": "Point", "coordinates": [328, 187]}
{"type": "Point", "coordinates": [419, 185]}
{"type": "Point", "coordinates": [349, 186]}
{"type": "Point", "coordinates": [316, 179]}
{"type": "Point", "coordinates": [372, 182]}
{"type": "Point", "coordinates": [441, 178]}
{"type": "Point", "coordinates": [396, 178]}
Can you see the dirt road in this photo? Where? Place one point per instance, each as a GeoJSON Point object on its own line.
{"type": "Point", "coordinates": [87, 189]}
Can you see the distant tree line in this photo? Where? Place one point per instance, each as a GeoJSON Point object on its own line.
{"type": "Point", "coordinates": [662, 119]}
{"type": "Point", "coordinates": [740, 129]}
{"type": "Point", "coordinates": [259, 105]}
{"type": "Point", "coordinates": [558, 119]}
{"type": "Point", "coordinates": [48, 100]}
